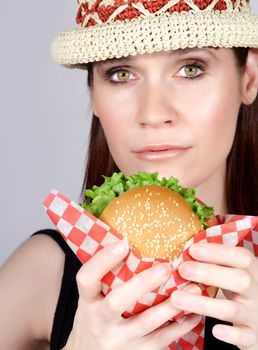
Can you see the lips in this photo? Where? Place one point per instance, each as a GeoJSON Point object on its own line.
{"type": "Point", "coordinates": [160, 152]}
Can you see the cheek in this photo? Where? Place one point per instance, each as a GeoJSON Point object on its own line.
{"type": "Point", "coordinates": [215, 125]}
{"type": "Point", "coordinates": [113, 106]}
{"type": "Point", "coordinates": [115, 115]}
{"type": "Point", "coordinates": [210, 123]}
{"type": "Point", "coordinates": [220, 124]}
{"type": "Point", "coordinates": [217, 107]}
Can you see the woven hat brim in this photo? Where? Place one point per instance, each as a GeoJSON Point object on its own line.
{"type": "Point", "coordinates": [155, 33]}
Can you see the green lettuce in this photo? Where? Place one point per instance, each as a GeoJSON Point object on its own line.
{"type": "Point", "coordinates": [97, 198]}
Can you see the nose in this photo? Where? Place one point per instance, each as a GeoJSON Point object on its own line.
{"type": "Point", "coordinates": [155, 107]}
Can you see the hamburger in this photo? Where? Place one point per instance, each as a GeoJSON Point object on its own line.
{"type": "Point", "coordinates": [157, 216]}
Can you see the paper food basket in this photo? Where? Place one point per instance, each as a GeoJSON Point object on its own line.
{"type": "Point", "coordinates": [86, 235]}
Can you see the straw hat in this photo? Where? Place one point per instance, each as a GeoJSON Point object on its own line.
{"type": "Point", "coordinates": [118, 28]}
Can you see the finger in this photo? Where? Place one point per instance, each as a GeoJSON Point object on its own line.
{"type": "Point", "coordinates": [168, 334]}
{"type": "Point", "coordinates": [242, 337]}
{"type": "Point", "coordinates": [152, 318]}
{"type": "Point", "coordinates": [220, 254]}
{"type": "Point", "coordinates": [233, 279]}
{"type": "Point", "coordinates": [90, 274]}
{"type": "Point", "coordinates": [222, 309]}
{"type": "Point", "coordinates": [121, 298]}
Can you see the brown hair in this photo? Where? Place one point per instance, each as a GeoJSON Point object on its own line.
{"type": "Point", "coordinates": [242, 162]}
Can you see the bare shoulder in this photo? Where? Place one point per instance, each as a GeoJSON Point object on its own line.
{"type": "Point", "coordinates": [30, 283]}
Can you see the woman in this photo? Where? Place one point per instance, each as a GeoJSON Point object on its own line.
{"type": "Point", "coordinates": [184, 104]}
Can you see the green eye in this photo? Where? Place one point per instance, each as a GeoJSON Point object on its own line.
{"type": "Point", "coordinates": [191, 71]}
{"type": "Point", "coordinates": [123, 75]}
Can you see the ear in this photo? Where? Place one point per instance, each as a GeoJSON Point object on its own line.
{"type": "Point", "coordinates": [92, 93]}
{"type": "Point", "coordinates": [93, 104]}
{"type": "Point", "coordinates": [249, 80]}
{"type": "Point", "coordinates": [94, 110]}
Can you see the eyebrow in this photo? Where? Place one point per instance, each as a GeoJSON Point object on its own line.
{"type": "Point", "coordinates": [178, 52]}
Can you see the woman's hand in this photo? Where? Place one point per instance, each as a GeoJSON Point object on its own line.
{"type": "Point", "coordinates": [235, 270]}
{"type": "Point", "coordinates": [98, 323]}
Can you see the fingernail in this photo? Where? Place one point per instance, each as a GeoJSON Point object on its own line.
{"type": "Point", "coordinates": [196, 319]}
{"type": "Point", "coordinates": [219, 332]}
{"type": "Point", "coordinates": [162, 270]}
{"type": "Point", "coordinates": [193, 288]}
{"type": "Point", "coordinates": [198, 251]}
{"type": "Point", "coordinates": [178, 297]}
{"type": "Point", "coordinates": [120, 247]}
{"type": "Point", "coordinates": [187, 270]}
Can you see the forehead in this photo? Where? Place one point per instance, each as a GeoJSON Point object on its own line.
{"type": "Point", "coordinates": [169, 53]}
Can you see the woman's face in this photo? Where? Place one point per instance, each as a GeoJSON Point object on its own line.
{"type": "Point", "coordinates": [173, 112]}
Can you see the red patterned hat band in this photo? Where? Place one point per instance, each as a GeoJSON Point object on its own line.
{"type": "Point", "coordinates": [92, 12]}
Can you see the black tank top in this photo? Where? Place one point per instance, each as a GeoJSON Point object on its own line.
{"type": "Point", "coordinates": [68, 300]}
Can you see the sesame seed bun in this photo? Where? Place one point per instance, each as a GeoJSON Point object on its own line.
{"type": "Point", "coordinates": [156, 220]}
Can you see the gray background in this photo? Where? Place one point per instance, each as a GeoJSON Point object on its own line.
{"type": "Point", "coordinates": [45, 114]}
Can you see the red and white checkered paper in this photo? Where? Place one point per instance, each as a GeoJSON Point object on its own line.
{"type": "Point", "coordinates": [86, 235]}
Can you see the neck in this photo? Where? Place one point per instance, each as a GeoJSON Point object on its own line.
{"type": "Point", "coordinates": [212, 192]}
